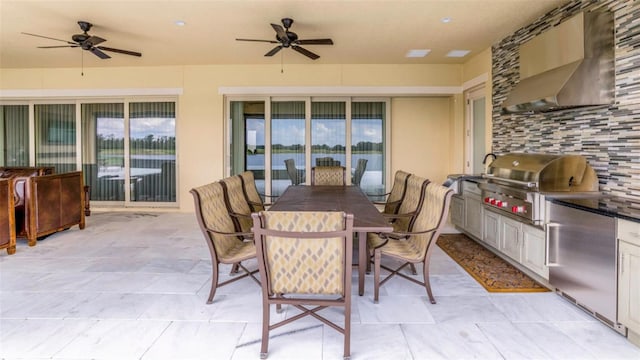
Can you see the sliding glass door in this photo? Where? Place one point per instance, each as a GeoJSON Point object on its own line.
{"type": "Point", "coordinates": [103, 150]}
{"type": "Point", "coordinates": [55, 136]}
{"type": "Point", "coordinates": [14, 135]}
{"type": "Point", "coordinates": [126, 149]}
{"type": "Point", "coordinates": [288, 129]}
{"type": "Point", "coordinates": [264, 134]}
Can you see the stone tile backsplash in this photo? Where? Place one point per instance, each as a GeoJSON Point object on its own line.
{"type": "Point", "coordinates": [608, 136]}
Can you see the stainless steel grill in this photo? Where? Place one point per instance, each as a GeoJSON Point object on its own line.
{"type": "Point", "coordinates": [517, 183]}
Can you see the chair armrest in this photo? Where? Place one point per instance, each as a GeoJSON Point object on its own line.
{"type": "Point", "coordinates": [399, 216]}
{"type": "Point", "coordinates": [238, 215]}
{"type": "Point", "coordinates": [236, 234]}
{"type": "Point", "coordinates": [404, 234]}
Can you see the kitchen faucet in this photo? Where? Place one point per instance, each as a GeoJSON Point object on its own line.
{"type": "Point", "coordinates": [484, 161]}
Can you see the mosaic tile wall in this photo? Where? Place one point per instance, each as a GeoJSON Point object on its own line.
{"type": "Point", "coordinates": [609, 136]}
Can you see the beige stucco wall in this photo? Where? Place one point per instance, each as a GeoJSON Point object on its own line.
{"type": "Point", "coordinates": [200, 123]}
{"type": "Point", "coordinates": [420, 136]}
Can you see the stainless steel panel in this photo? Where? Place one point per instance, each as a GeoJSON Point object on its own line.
{"type": "Point", "coordinates": [544, 172]}
{"type": "Point", "coordinates": [569, 65]}
{"type": "Point", "coordinates": [583, 258]}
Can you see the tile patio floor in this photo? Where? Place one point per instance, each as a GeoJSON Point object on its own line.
{"type": "Point", "coordinates": [134, 286]}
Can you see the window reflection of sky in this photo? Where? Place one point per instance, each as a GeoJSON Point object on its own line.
{"type": "Point", "coordinates": [139, 127]}
{"type": "Point", "coordinates": [331, 132]}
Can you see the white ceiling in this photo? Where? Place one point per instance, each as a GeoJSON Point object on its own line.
{"type": "Point", "coordinates": [363, 31]}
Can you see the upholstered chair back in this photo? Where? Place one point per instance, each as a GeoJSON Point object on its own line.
{"type": "Point", "coordinates": [211, 212]}
{"type": "Point", "coordinates": [251, 191]}
{"type": "Point", "coordinates": [431, 218]}
{"type": "Point", "coordinates": [237, 203]}
{"type": "Point", "coordinates": [359, 172]}
{"type": "Point", "coordinates": [328, 175]}
{"type": "Point", "coordinates": [412, 200]}
{"type": "Point", "coordinates": [296, 265]}
{"type": "Point", "coordinates": [397, 192]}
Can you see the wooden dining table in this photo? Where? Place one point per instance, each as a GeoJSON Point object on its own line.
{"type": "Point", "coordinates": [351, 200]}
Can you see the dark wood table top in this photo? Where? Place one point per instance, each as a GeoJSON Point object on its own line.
{"type": "Point", "coordinates": [350, 199]}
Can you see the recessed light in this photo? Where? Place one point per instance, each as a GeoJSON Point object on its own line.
{"type": "Point", "coordinates": [180, 23]}
{"type": "Point", "coordinates": [414, 53]}
{"type": "Point", "coordinates": [458, 53]}
{"type": "Point", "coordinates": [445, 20]}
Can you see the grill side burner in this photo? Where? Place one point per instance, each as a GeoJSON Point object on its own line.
{"type": "Point", "coordinates": [518, 182]}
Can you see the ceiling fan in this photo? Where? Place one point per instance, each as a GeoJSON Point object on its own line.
{"type": "Point", "coordinates": [86, 42]}
{"type": "Point", "coordinates": [286, 39]}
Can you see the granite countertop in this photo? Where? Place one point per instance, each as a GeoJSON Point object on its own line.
{"type": "Point", "coordinates": [607, 205]}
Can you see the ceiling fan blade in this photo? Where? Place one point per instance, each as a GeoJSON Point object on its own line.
{"type": "Point", "coordinates": [280, 31]}
{"type": "Point", "coordinates": [256, 40]}
{"type": "Point", "coordinates": [94, 40]}
{"type": "Point", "coordinates": [315, 42]}
{"type": "Point", "coordinates": [95, 51]}
{"type": "Point", "coordinates": [305, 52]}
{"type": "Point", "coordinates": [274, 51]}
{"type": "Point", "coordinates": [60, 46]}
{"type": "Point", "coordinates": [50, 38]}
{"type": "Point", "coordinates": [126, 52]}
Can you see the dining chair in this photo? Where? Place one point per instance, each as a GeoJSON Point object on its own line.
{"type": "Point", "coordinates": [237, 203]}
{"type": "Point", "coordinates": [254, 198]}
{"type": "Point", "coordinates": [403, 219]}
{"type": "Point", "coordinates": [414, 246]}
{"type": "Point", "coordinates": [226, 246]}
{"type": "Point", "coordinates": [327, 161]}
{"type": "Point", "coordinates": [328, 175]}
{"type": "Point", "coordinates": [305, 261]}
{"type": "Point", "coordinates": [396, 195]}
{"type": "Point", "coordinates": [296, 176]}
{"type": "Point", "coordinates": [359, 172]}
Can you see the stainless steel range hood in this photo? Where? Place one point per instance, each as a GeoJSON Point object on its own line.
{"type": "Point", "coordinates": [568, 66]}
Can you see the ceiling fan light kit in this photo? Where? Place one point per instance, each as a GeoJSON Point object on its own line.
{"type": "Point", "coordinates": [86, 42]}
{"type": "Point", "coordinates": [289, 39]}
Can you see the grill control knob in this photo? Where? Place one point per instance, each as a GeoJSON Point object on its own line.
{"type": "Point", "coordinates": [517, 209]}
{"type": "Point", "coordinates": [487, 199]}
{"type": "Point", "coordinates": [492, 201]}
{"type": "Point", "coordinates": [499, 203]}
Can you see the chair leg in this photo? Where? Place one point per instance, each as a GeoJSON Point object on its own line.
{"type": "Point", "coordinates": [234, 269]}
{"type": "Point", "coordinates": [214, 283]}
{"type": "Point", "coordinates": [376, 274]}
{"type": "Point", "coordinates": [413, 269]}
{"type": "Point", "coordinates": [264, 349]}
{"type": "Point", "coordinates": [427, 284]}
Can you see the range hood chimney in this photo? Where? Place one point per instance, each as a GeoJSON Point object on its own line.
{"type": "Point", "coordinates": [568, 66]}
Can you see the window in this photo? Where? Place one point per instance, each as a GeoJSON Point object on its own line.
{"type": "Point", "coordinates": [14, 135]}
{"type": "Point", "coordinates": [126, 149]}
{"type": "Point", "coordinates": [265, 133]}
{"type": "Point", "coordinates": [55, 136]}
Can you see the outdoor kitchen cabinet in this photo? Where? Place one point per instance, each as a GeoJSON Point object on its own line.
{"type": "Point", "coordinates": [473, 209]}
{"type": "Point", "coordinates": [534, 250]}
{"type": "Point", "coordinates": [521, 242]}
{"type": "Point", "coordinates": [457, 211]}
{"type": "Point", "coordinates": [491, 234]}
{"type": "Point", "coordinates": [629, 278]}
{"type": "Point", "coordinates": [511, 238]}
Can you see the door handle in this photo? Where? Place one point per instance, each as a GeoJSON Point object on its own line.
{"type": "Point", "coordinates": [551, 244]}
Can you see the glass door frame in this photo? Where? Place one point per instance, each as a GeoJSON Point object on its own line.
{"type": "Point", "coordinates": [79, 143]}
{"type": "Point", "coordinates": [475, 93]}
{"type": "Point", "coordinates": [348, 100]}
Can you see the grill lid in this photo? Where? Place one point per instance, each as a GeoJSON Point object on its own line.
{"type": "Point", "coordinates": [544, 172]}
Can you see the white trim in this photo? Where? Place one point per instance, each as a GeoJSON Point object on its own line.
{"type": "Point", "coordinates": [340, 90]}
{"type": "Point", "coordinates": [481, 79]}
{"type": "Point", "coordinates": [80, 93]}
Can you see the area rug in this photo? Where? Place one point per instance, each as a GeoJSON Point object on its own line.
{"type": "Point", "coordinates": [492, 272]}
